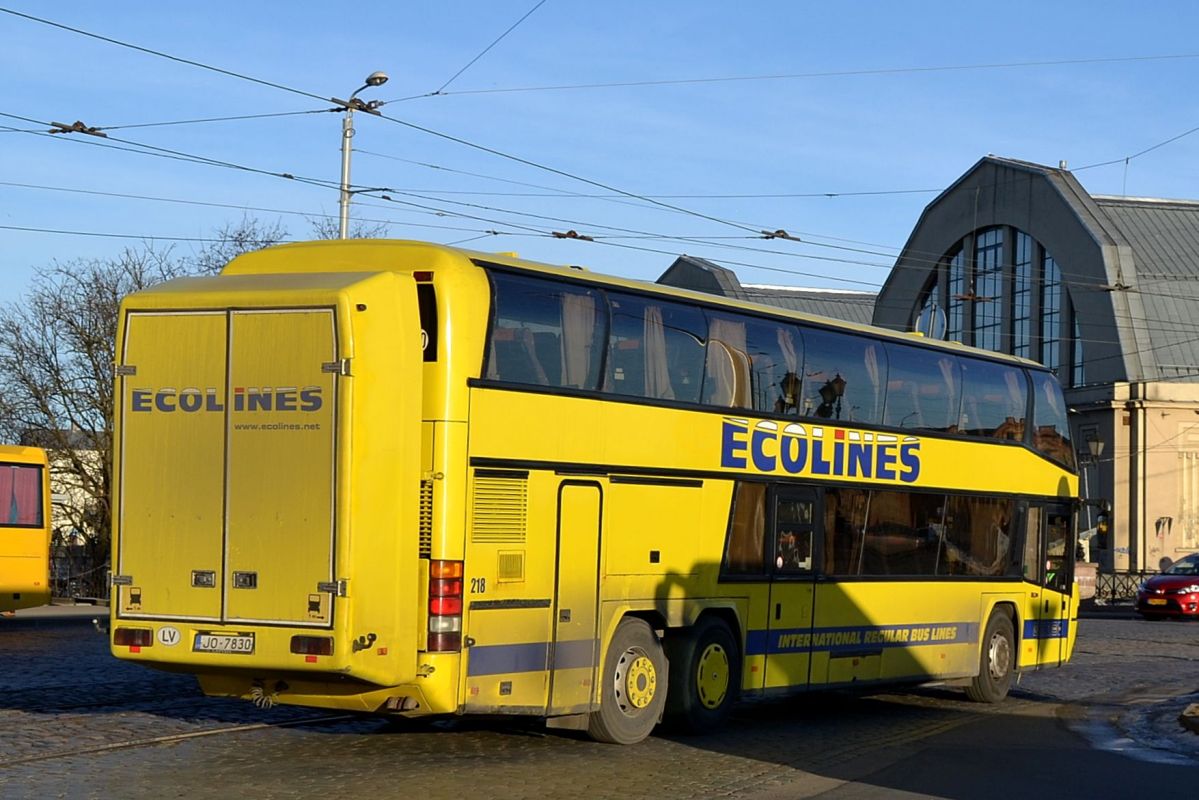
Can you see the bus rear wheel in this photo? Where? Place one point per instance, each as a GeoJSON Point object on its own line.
{"type": "Point", "coordinates": [997, 661]}
{"type": "Point", "coordinates": [705, 675]}
{"type": "Point", "coordinates": [632, 685]}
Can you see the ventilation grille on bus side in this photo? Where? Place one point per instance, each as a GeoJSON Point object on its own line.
{"type": "Point", "coordinates": [426, 518]}
{"type": "Point", "coordinates": [500, 510]}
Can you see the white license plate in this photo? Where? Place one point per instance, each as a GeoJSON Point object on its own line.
{"type": "Point", "coordinates": [239, 643]}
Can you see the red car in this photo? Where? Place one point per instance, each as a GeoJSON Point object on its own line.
{"type": "Point", "coordinates": [1174, 593]}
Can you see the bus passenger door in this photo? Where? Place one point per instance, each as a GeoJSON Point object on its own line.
{"type": "Point", "coordinates": [793, 540]}
{"type": "Point", "coordinates": [1047, 565]}
{"type": "Point", "coordinates": [1059, 583]}
{"type": "Point", "coordinates": [574, 650]}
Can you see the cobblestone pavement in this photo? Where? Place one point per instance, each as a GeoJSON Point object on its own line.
{"type": "Point", "coordinates": [78, 723]}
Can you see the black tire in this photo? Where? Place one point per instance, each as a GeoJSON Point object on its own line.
{"type": "Point", "coordinates": [633, 685]}
{"type": "Point", "coordinates": [997, 661]}
{"type": "Point", "coordinates": [705, 676]}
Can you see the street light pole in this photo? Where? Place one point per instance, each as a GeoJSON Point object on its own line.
{"type": "Point", "coordinates": [347, 133]}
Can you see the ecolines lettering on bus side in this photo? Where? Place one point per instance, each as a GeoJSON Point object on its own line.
{"type": "Point", "coordinates": [283, 398]}
{"type": "Point", "coordinates": [806, 449]}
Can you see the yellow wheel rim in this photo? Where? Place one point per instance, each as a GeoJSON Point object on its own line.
{"type": "Point", "coordinates": [636, 680]}
{"type": "Point", "coordinates": [712, 676]}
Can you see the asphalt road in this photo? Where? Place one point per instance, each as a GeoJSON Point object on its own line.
{"type": "Point", "coordinates": [78, 723]}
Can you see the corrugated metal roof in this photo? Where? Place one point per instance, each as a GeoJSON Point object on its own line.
{"type": "Point", "coordinates": [1164, 238]}
{"type": "Point", "coordinates": [1163, 234]}
{"type": "Point", "coordinates": [849, 306]}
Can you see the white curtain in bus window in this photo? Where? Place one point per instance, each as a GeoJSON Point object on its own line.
{"type": "Point", "coordinates": [843, 377]}
{"type": "Point", "coordinates": [545, 333]}
{"type": "Point", "coordinates": [656, 349]}
{"type": "Point", "coordinates": [994, 400]}
{"type": "Point", "coordinates": [20, 494]}
{"type": "Point", "coordinates": [924, 389]}
{"type": "Point", "coordinates": [790, 384]}
{"type": "Point", "coordinates": [726, 379]}
{"type": "Point", "coordinates": [1051, 435]}
{"type": "Point", "coordinates": [581, 347]}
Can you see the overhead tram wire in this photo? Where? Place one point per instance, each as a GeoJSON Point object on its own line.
{"type": "Point", "coordinates": [303, 93]}
{"type": "Point", "coordinates": [162, 152]}
{"type": "Point", "coordinates": [160, 54]}
{"type": "Point", "coordinates": [393, 120]}
{"type": "Point", "coordinates": [487, 49]}
{"type": "Point", "coordinates": [810, 75]}
{"type": "Point", "coordinates": [243, 207]}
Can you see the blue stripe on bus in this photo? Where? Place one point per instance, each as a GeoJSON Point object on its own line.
{"type": "Point", "coordinates": [1046, 628]}
{"type": "Point", "coordinates": [498, 659]}
{"type": "Point", "coordinates": [781, 641]}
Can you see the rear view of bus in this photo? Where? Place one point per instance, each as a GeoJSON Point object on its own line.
{"type": "Point", "coordinates": [248, 405]}
{"type": "Point", "coordinates": [24, 528]}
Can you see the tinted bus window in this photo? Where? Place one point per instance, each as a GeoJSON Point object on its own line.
{"type": "Point", "coordinates": [745, 554]}
{"type": "Point", "coordinates": [844, 524]}
{"type": "Point", "coordinates": [20, 495]}
{"type": "Point", "coordinates": [902, 534]}
{"type": "Point", "coordinates": [546, 333]}
{"type": "Point", "coordinates": [978, 539]}
{"type": "Point", "coordinates": [924, 389]}
{"type": "Point", "coordinates": [843, 377]}
{"type": "Point", "coordinates": [752, 363]}
{"type": "Point", "coordinates": [994, 400]}
{"type": "Point", "coordinates": [657, 349]}
{"type": "Point", "coordinates": [1051, 434]}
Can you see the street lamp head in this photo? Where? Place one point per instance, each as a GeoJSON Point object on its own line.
{"type": "Point", "coordinates": [376, 79]}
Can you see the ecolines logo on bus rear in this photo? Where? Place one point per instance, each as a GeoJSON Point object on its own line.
{"type": "Point", "coordinates": [797, 449]}
{"type": "Point", "coordinates": [279, 398]}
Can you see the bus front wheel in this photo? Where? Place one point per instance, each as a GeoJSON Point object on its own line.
{"type": "Point", "coordinates": [632, 685]}
{"type": "Point", "coordinates": [705, 674]}
{"type": "Point", "coordinates": [997, 661]}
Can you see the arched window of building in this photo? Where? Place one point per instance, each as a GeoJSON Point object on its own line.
{"type": "Point", "coordinates": [1051, 314]}
{"type": "Point", "coordinates": [1003, 291]}
{"type": "Point", "coordinates": [988, 294]}
{"type": "Point", "coordinates": [1022, 282]}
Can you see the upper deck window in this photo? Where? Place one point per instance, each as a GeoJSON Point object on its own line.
{"type": "Point", "coordinates": [546, 333]}
{"type": "Point", "coordinates": [844, 377]}
{"type": "Point", "coordinates": [753, 363]}
{"type": "Point", "coordinates": [924, 389]}
{"type": "Point", "coordinates": [20, 495]}
{"type": "Point", "coordinates": [1052, 432]}
{"type": "Point", "coordinates": [657, 349]}
{"type": "Point", "coordinates": [994, 400]}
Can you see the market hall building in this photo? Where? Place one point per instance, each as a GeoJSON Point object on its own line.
{"type": "Point", "coordinates": [1018, 258]}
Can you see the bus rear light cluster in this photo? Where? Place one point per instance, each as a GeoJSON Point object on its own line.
{"type": "Point", "coordinates": [133, 637]}
{"type": "Point", "coordinates": [312, 645]}
{"type": "Point", "coordinates": [445, 606]}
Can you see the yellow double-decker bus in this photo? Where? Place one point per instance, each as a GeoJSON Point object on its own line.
{"type": "Point", "coordinates": [24, 528]}
{"type": "Point", "coordinates": [403, 478]}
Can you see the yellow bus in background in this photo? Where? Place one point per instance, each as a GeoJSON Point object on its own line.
{"type": "Point", "coordinates": [403, 478]}
{"type": "Point", "coordinates": [24, 528]}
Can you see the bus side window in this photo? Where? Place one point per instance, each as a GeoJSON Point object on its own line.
{"type": "Point", "coordinates": [794, 530]}
{"type": "Point", "coordinates": [20, 494]}
{"type": "Point", "coordinates": [745, 551]}
{"type": "Point", "coordinates": [1031, 563]}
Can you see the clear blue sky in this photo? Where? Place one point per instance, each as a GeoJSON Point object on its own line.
{"type": "Point", "coordinates": [883, 130]}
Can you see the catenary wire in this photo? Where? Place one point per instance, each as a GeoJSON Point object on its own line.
{"type": "Point", "coordinates": [487, 49]}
